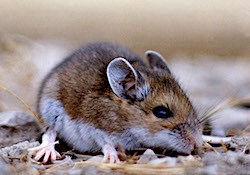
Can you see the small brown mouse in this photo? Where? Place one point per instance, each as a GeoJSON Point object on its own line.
{"type": "Point", "coordinates": [105, 95]}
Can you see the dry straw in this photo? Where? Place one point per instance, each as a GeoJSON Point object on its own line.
{"type": "Point", "coordinates": [23, 102]}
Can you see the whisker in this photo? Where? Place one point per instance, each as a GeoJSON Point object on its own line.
{"type": "Point", "coordinates": [220, 106]}
{"type": "Point", "coordinates": [230, 102]}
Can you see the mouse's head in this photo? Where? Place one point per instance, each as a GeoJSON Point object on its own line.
{"type": "Point", "coordinates": [157, 109]}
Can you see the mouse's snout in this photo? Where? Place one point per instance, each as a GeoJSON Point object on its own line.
{"type": "Point", "coordinates": [194, 138]}
{"type": "Point", "coordinates": [191, 136]}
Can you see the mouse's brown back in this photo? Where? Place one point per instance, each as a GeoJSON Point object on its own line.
{"type": "Point", "coordinates": [80, 81]}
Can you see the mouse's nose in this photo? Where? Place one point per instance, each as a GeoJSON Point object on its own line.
{"type": "Point", "coordinates": [194, 144]}
{"type": "Point", "coordinates": [194, 138]}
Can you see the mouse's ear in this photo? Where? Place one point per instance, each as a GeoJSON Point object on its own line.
{"type": "Point", "coordinates": [125, 81]}
{"type": "Point", "coordinates": [156, 60]}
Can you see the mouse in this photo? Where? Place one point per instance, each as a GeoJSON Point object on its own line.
{"type": "Point", "coordinates": [104, 95]}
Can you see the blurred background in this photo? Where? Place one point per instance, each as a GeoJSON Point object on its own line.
{"type": "Point", "coordinates": [169, 26]}
{"type": "Point", "coordinates": [207, 43]}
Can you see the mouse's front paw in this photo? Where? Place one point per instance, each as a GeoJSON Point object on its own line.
{"type": "Point", "coordinates": [110, 154]}
{"type": "Point", "coordinates": [48, 152]}
{"type": "Point", "coordinates": [47, 148]}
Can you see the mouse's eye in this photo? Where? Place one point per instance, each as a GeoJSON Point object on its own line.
{"type": "Point", "coordinates": [162, 112]}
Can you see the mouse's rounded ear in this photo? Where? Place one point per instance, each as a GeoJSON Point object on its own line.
{"type": "Point", "coordinates": [156, 60]}
{"type": "Point", "coordinates": [125, 81]}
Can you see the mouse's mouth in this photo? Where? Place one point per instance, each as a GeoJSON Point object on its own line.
{"type": "Point", "coordinates": [186, 140]}
{"type": "Point", "coordinates": [182, 147]}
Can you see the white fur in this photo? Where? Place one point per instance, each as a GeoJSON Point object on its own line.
{"type": "Point", "coordinates": [85, 137]}
{"type": "Point", "coordinates": [163, 139]}
{"type": "Point", "coordinates": [52, 112]}
{"type": "Point", "coordinates": [82, 136]}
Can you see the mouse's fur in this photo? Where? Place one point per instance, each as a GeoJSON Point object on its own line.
{"type": "Point", "coordinates": [105, 94]}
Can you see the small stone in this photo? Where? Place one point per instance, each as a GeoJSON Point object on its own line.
{"type": "Point", "coordinates": [17, 150]}
{"type": "Point", "coordinates": [147, 156]}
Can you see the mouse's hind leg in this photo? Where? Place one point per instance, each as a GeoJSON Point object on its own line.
{"type": "Point", "coordinates": [47, 148]}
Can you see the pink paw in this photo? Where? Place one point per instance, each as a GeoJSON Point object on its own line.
{"type": "Point", "coordinates": [110, 154]}
{"type": "Point", "coordinates": [48, 152]}
{"type": "Point", "coordinates": [47, 148]}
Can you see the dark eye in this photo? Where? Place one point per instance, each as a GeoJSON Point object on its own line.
{"type": "Point", "coordinates": [162, 112]}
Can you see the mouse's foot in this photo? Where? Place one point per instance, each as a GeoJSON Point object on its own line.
{"type": "Point", "coordinates": [46, 149]}
{"type": "Point", "coordinates": [110, 154]}
{"type": "Point", "coordinates": [48, 152]}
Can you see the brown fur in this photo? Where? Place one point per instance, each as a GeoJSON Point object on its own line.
{"type": "Point", "coordinates": [81, 84]}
